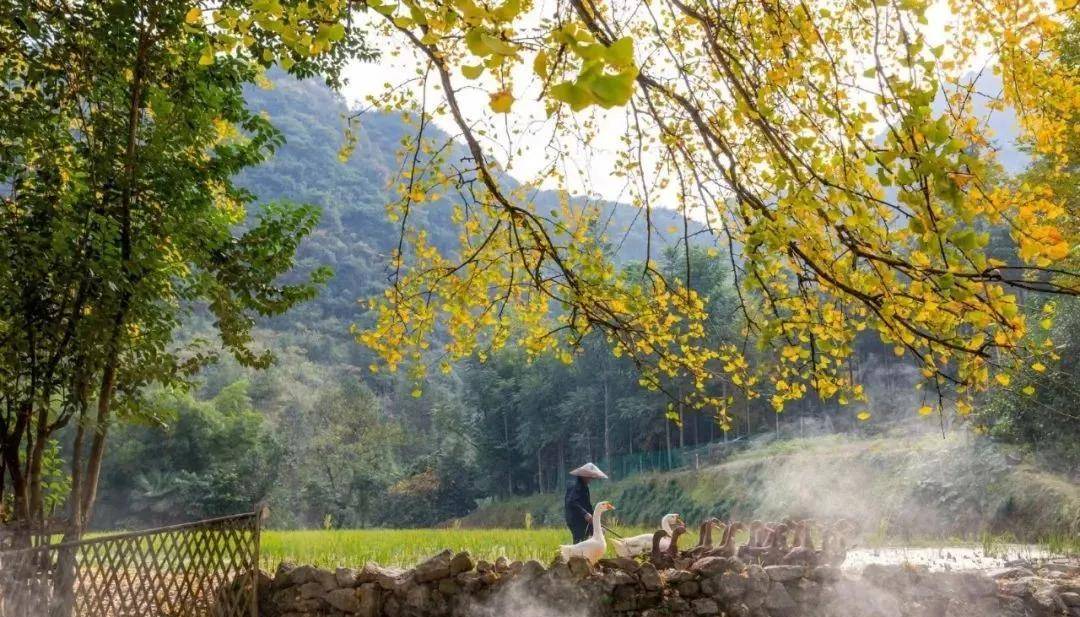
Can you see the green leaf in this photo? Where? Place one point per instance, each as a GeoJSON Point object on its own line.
{"type": "Point", "coordinates": [621, 53]}
{"type": "Point", "coordinates": [612, 90]}
{"type": "Point", "coordinates": [574, 95]}
{"type": "Point", "coordinates": [472, 71]}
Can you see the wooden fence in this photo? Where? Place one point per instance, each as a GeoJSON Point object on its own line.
{"type": "Point", "coordinates": [203, 569]}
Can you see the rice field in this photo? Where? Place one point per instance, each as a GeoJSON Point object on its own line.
{"type": "Point", "coordinates": [405, 547]}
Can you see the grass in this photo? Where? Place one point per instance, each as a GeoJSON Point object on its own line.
{"type": "Point", "coordinates": [405, 547]}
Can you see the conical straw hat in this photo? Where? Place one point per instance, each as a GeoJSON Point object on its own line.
{"type": "Point", "coordinates": [588, 470]}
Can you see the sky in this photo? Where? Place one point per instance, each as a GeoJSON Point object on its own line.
{"type": "Point", "coordinates": [590, 168]}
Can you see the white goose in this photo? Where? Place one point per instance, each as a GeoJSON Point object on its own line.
{"type": "Point", "coordinates": [593, 548]}
{"type": "Point", "coordinates": [641, 544]}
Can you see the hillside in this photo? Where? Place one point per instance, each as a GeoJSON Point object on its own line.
{"type": "Point", "coordinates": [894, 486]}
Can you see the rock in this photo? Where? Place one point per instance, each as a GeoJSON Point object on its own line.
{"type": "Point", "coordinates": [370, 600]}
{"type": "Point", "coordinates": [433, 569]}
{"type": "Point", "coordinates": [614, 578]}
{"type": "Point", "coordinates": [483, 566]}
{"type": "Point", "coordinates": [300, 575]}
{"type": "Point", "coordinates": [1068, 569]}
{"type": "Point", "coordinates": [976, 584]}
{"type": "Point", "coordinates": [344, 600]}
{"type": "Point", "coordinates": [462, 562]}
{"type": "Point", "coordinates": [531, 569]}
{"type": "Point", "coordinates": [688, 589]}
{"type": "Point", "coordinates": [1047, 598]}
{"type": "Point", "coordinates": [677, 605]}
{"type": "Point", "coordinates": [367, 574]}
{"type": "Point", "coordinates": [1007, 573]}
{"type": "Point", "coordinates": [325, 578]}
{"type": "Point", "coordinates": [705, 606]}
{"type": "Point", "coordinates": [825, 574]}
{"type": "Point", "coordinates": [1017, 587]}
{"type": "Point", "coordinates": [449, 587]}
{"type": "Point", "coordinates": [418, 597]}
{"type": "Point", "coordinates": [311, 589]}
{"type": "Point", "coordinates": [282, 600]}
{"type": "Point", "coordinates": [514, 567]}
{"type": "Point", "coordinates": [758, 579]}
{"type": "Point", "coordinates": [621, 563]}
{"type": "Point", "coordinates": [1070, 598]}
{"type": "Point", "coordinates": [738, 609]}
{"type": "Point", "coordinates": [783, 574]}
{"type": "Point", "coordinates": [778, 598]}
{"type": "Point", "coordinates": [709, 566]}
{"type": "Point", "coordinates": [346, 577]}
{"type": "Point", "coordinates": [1011, 607]}
{"type": "Point", "coordinates": [501, 565]}
{"type": "Point", "coordinates": [579, 567]}
{"type": "Point", "coordinates": [390, 578]}
{"type": "Point", "coordinates": [283, 575]}
{"type": "Point", "coordinates": [675, 577]}
{"type": "Point", "coordinates": [559, 570]}
{"type": "Point", "coordinates": [804, 590]}
{"type": "Point", "coordinates": [649, 577]}
{"type": "Point", "coordinates": [732, 586]}
{"type": "Point", "coordinates": [624, 592]}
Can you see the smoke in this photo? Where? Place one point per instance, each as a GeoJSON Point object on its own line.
{"type": "Point", "coordinates": [543, 597]}
{"type": "Point", "coordinates": [906, 485]}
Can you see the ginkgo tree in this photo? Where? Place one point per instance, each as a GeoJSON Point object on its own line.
{"type": "Point", "coordinates": [839, 149]}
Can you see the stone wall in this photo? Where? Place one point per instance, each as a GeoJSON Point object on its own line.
{"type": "Point", "coordinates": [452, 585]}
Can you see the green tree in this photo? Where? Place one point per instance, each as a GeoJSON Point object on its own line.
{"type": "Point", "coordinates": [119, 138]}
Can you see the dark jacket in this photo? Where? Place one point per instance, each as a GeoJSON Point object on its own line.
{"type": "Point", "coordinates": [578, 503]}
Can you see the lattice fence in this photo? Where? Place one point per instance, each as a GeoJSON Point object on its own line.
{"type": "Point", "coordinates": [203, 569]}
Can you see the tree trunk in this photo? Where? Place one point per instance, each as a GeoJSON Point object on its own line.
{"type": "Point", "coordinates": [509, 455]}
{"type": "Point", "coordinates": [97, 446]}
{"type": "Point", "coordinates": [667, 440]}
{"type": "Point", "coordinates": [561, 462]}
{"type": "Point", "coordinates": [539, 471]}
{"type": "Point", "coordinates": [607, 425]}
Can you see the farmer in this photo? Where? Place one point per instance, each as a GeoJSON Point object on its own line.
{"type": "Point", "coordinates": [578, 504]}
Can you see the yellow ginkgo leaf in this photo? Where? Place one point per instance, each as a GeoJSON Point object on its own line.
{"type": "Point", "coordinates": [926, 410]}
{"type": "Point", "coordinates": [863, 416]}
{"type": "Point", "coordinates": [1038, 367]}
{"type": "Point", "coordinates": [501, 101]}
{"type": "Point", "coordinates": [1029, 390]}
{"type": "Point", "coordinates": [417, 392]}
{"type": "Point", "coordinates": [1002, 378]}
{"type": "Point", "coordinates": [193, 15]}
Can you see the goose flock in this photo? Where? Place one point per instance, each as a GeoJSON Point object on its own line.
{"type": "Point", "coordinates": [767, 543]}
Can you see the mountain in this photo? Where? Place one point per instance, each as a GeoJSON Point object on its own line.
{"type": "Point", "coordinates": [355, 236]}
